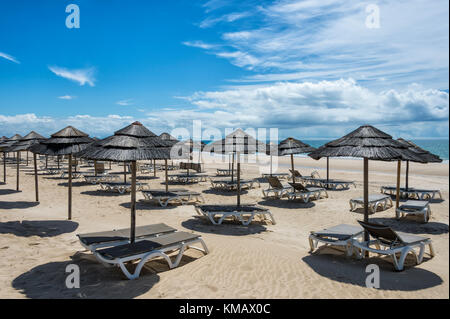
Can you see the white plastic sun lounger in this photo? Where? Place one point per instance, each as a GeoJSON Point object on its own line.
{"type": "Point", "coordinates": [277, 175]}
{"type": "Point", "coordinates": [414, 193]}
{"type": "Point", "coordinates": [226, 172]}
{"type": "Point", "coordinates": [414, 207]}
{"type": "Point", "coordinates": [103, 178]}
{"type": "Point", "coordinates": [94, 241]}
{"type": "Point", "coordinates": [232, 185]}
{"type": "Point", "coordinates": [276, 190]}
{"type": "Point", "coordinates": [341, 235]}
{"type": "Point", "coordinates": [180, 196]}
{"type": "Point", "coordinates": [391, 243]}
{"type": "Point", "coordinates": [187, 179]}
{"type": "Point", "coordinates": [375, 201]}
{"type": "Point", "coordinates": [143, 251]}
{"type": "Point", "coordinates": [244, 214]}
{"type": "Point", "coordinates": [335, 184]}
{"type": "Point", "coordinates": [306, 193]}
{"type": "Point", "coordinates": [120, 187]}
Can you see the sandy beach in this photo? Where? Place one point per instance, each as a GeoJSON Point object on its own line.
{"type": "Point", "coordinates": [258, 261]}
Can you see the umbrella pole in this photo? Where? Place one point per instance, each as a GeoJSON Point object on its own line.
{"type": "Point", "coordinates": [133, 201]}
{"type": "Point", "coordinates": [36, 185]}
{"type": "Point", "coordinates": [397, 192]}
{"type": "Point", "coordinates": [154, 168]}
{"type": "Point", "coordinates": [4, 167]}
{"type": "Point", "coordinates": [27, 158]}
{"type": "Point", "coordinates": [125, 172]}
{"type": "Point", "coordinates": [17, 180]}
{"type": "Point", "coordinates": [57, 159]}
{"type": "Point", "coordinates": [292, 164]}
{"type": "Point", "coordinates": [328, 169]}
{"type": "Point", "coordinates": [95, 168]}
{"type": "Point", "coordinates": [270, 165]}
{"type": "Point", "coordinates": [70, 186]}
{"type": "Point", "coordinates": [46, 161]}
{"type": "Point", "coordinates": [238, 155]}
{"type": "Point", "coordinates": [407, 175]}
{"type": "Point", "coordinates": [167, 176]}
{"type": "Point", "coordinates": [366, 195]}
{"type": "Point", "coordinates": [232, 167]}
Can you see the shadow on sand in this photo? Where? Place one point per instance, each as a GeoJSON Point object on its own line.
{"type": "Point", "coordinates": [228, 228]}
{"type": "Point", "coordinates": [337, 267]}
{"type": "Point", "coordinates": [286, 204]}
{"type": "Point", "coordinates": [96, 281]}
{"type": "Point", "coordinates": [145, 205]}
{"type": "Point", "coordinates": [8, 191]}
{"type": "Point", "coordinates": [103, 193]}
{"type": "Point", "coordinates": [220, 192]}
{"type": "Point", "coordinates": [28, 228]}
{"type": "Point", "coordinates": [17, 205]}
{"type": "Point", "coordinates": [413, 225]}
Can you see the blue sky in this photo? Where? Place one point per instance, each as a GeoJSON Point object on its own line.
{"type": "Point", "coordinates": [308, 68]}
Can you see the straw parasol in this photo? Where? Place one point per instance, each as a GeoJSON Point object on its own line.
{"type": "Point", "coordinates": [24, 144]}
{"type": "Point", "coordinates": [369, 143]}
{"type": "Point", "coordinates": [428, 157]}
{"type": "Point", "coordinates": [130, 144]}
{"type": "Point", "coordinates": [289, 146]}
{"type": "Point", "coordinates": [67, 141]}
{"type": "Point", "coordinates": [3, 146]}
{"type": "Point", "coordinates": [237, 143]}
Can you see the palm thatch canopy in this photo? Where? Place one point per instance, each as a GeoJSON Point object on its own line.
{"type": "Point", "coordinates": [10, 141]}
{"type": "Point", "coordinates": [367, 142]}
{"type": "Point", "coordinates": [26, 142]}
{"type": "Point", "coordinates": [66, 141]}
{"type": "Point", "coordinates": [427, 156]}
{"type": "Point", "coordinates": [290, 146]}
{"type": "Point", "coordinates": [169, 138]}
{"type": "Point", "coordinates": [132, 143]}
{"type": "Point", "coordinates": [237, 142]}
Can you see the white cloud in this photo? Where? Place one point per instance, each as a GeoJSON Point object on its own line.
{"type": "Point", "coordinates": [231, 17]}
{"type": "Point", "coordinates": [82, 76]}
{"type": "Point", "coordinates": [66, 97]}
{"type": "Point", "coordinates": [9, 57]}
{"type": "Point", "coordinates": [125, 102]}
{"type": "Point", "coordinates": [198, 44]}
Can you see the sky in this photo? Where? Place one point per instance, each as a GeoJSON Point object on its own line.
{"type": "Point", "coordinates": [311, 69]}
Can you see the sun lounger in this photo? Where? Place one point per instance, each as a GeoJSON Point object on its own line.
{"type": "Point", "coordinates": [278, 175]}
{"type": "Point", "coordinates": [121, 187]}
{"type": "Point", "coordinates": [188, 179]}
{"type": "Point", "coordinates": [334, 184]}
{"type": "Point", "coordinates": [277, 189]}
{"type": "Point", "coordinates": [375, 201]}
{"type": "Point", "coordinates": [103, 178]}
{"type": "Point", "coordinates": [391, 243]}
{"type": "Point", "coordinates": [228, 185]}
{"type": "Point", "coordinates": [226, 172]}
{"type": "Point", "coordinates": [414, 193]}
{"type": "Point", "coordinates": [94, 241]}
{"type": "Point", "coordinates": [75, 175]}
{"type": "Point", "coordinates": [342, 235]}
{"type": "Point", "coordinates": [306, 193]}
{"type": "Point", "coordinates": [244, 213]}
{"type": "Point", "coordinates": [414, 207]}
{"type": "Point", "coordinates": [146, 250]}
{"type": "Point", "coordinates": [163, 198]}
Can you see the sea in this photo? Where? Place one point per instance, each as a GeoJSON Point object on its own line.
{"type": "Point", "coordinates": [435, 146]}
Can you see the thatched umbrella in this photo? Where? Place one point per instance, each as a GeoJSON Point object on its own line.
{"type": "Point", "coordinates": [369, 143]}
{"type": "Point", "coordinates": [130, 144]}
{"type": "Point", "coordinates": [67, 141]}
{"type": "Point", "coordinates": [3, 146]}
{"type": "Point", "coordinates": [289, 146]}
{"type": "Point", "coordinates": [237, 143]}
{"type": "Point", "coordinates": [424, 154]}
{"type": "Point", "coordinates": [169, 139]}
{"type": "Point", "coordinates": [24, 144]}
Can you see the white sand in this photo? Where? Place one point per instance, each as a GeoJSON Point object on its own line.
{"type": "Point", "coordinates": [260, 261]}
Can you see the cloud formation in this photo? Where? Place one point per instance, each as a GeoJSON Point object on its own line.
{"type": "Point", "coordinates": [66, 97]}
{"type": "Point", "coordinates": [9, 57]}
{"type": "Point", "coordinates": [81, 76]}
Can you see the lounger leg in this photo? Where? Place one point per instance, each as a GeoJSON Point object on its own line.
{"type": "Point", "coordinates": [272, 218]}
{"type": "Point", "coordinates": [312, 244]}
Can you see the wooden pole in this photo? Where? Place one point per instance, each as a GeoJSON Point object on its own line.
{"type": "Point", "coordinates": [95, 168]}
{"type": "Point", "coordinates": [292, 165]}
{"type": "Point", "coordinates": [397, 192]}
{"type": "Point", "coordinates": [27, 158]}
{"type": "Point", "coordinates": [154, 168]}
{"type": "Point", "coordinates": [125, 172]}
{"type": "Point", "coordinates": [57, 160]}
{"type": "Point", "coordinates": [270, 165]}
{"type": "Point", "coordinates": [70, 186]}
{"type": "Point", "coordinates": [238, 155]}
{"type": "Point", "coordinates": [407, 175]}
{"type": "Point", "coordinates": [36, 185]}
{"type": "Point", "coordinates": [232, 167]}
{"type": "Point", "coordinates": [4, 167]}
{"type": "Point", "coordinates": [366, 195]}
{"type": "Point", "coordinates": [46, 161]}
{"type": "Point", "coordinates": [167, 176]}
{"type": "Point", "coordinates": [18, 162]}
{"type": "Point", "coordinates": [328, 169]}
{"type": "Point", "coordinates": [133, 202]}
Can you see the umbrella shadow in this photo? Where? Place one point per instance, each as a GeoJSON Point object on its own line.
{"type": "Point", "coordinates": [28, 228]}
{"type": "Point", "coordinates": [413, 225]}
{"type": "Point", "coordinates": [96, 281]}
{"type": "Point", "coordinates": [342, 269]}
{"type": "Point", "coordinates": [220, 192]}
{"type": "Point", "coordinates": [286, 204]}
{"type": "Point", "coordinates": [146, 178]}
{"type": "Point", "coordinates": [103, 193]}
{"type": "Point", "coordinates": [228, 228]}
{"type": "Point", "coordinates": [145, 205]}
{"type": "Point", "coordinates": [75, 184]}
{"type": "Point", "coordinates": [8, 191]}
{"type": "Point", "coordinates": [17, 205]}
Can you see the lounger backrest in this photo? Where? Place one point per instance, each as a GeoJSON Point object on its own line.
{"type": "Point", "coordinates": [99, 168]}
{"type": "Point", "coordinates": [295, 173]}
{"type": "Point", "coordinates": [274, 182]}
{"type": "Point", "coordinates": [315, 174]}
{"type": "Point", "coordinates": [299, 187]}
{"type": "Point", "coordinates": [383, 233]}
